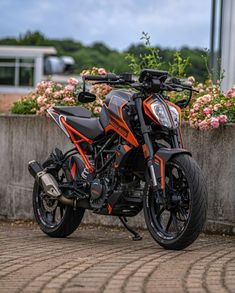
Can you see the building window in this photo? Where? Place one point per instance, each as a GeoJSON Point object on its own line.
{"type": "Point", "coordinates": [7, 75]}
{"type": "Point", "coordinates": [17, 71]}
{"type": "Point", "coordinates": [7, 71]}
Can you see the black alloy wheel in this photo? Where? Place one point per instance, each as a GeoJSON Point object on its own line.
{"type": "Point", "coordinates": [176, 220]}
{"type": "Point", "coordinates": [54, 218]}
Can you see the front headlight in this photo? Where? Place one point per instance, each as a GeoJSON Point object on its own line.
{"type": "Point", "coordinates": [161, 113]}
{"type": "Point", "coordinates": [175, 116]}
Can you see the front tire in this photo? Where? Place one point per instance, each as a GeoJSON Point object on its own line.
{"type": "Point", "coordinates": [176, 221]}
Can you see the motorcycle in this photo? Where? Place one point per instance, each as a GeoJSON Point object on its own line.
{"type": "Point", "coordinates": [130, 158]}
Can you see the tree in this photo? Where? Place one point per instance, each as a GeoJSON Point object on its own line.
{"type": "Point", "coordinates": [100, 55]}
{"type": "Point", "coordinates": [32, 39]}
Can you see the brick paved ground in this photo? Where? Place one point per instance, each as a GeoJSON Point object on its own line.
{"type": "Point", "coordinates": [97, 259]}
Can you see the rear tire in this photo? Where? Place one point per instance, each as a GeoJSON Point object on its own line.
{"type": "Point", "coordinates": [188, 210]}
{"type": "Point", "coordinates": [68, 218]}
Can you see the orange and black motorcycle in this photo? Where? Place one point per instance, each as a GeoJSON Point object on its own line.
{"type": "Point", "coordinates": [130, 158]}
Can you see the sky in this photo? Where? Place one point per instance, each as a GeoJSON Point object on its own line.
{"type": "Point", "coordinates": [117, 23]}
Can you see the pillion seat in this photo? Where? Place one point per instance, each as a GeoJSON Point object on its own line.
{"type": "Point", "coordinates": [89, 127]}
{"type": "Point", "coordinates": [73, 111]}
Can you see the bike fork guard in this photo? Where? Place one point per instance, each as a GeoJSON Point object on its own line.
{"type": "Point", "coordinates": [161, 157]}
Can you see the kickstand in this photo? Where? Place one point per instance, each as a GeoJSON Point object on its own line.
{"type": "Point", "coordinates": [136, 236]}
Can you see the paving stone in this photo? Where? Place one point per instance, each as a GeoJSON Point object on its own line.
{"type": "Point", "coordinates": [97, 260]}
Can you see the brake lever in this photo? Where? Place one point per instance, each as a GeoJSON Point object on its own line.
{"type": "Point", "coordinates": [183, 87]}
{"type": "Point", "coordinates": [189, 88]}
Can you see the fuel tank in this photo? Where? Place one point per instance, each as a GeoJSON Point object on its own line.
{"type": "Point", "coordinates": [116, 104]}
{"type": "Point", "coordinates": [123, 94]}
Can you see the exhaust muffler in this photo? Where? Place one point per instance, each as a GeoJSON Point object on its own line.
{"type": "Point", "coordinates": [48, 183]}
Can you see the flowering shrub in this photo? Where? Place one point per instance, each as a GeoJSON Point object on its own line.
{"type": "Point", "coordinates": [50, 93]}
{"type": "Point", "coordinates": [26, 105]}
{"type": "Point", "coordinates": [211, 107]}
{"type": "Point", "coordinates": [47, 94]}
{"type": "Point", "coordinates": [208, 109]}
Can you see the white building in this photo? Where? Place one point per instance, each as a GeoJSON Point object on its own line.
{"type": "Point", "coordinates": [21, 67]}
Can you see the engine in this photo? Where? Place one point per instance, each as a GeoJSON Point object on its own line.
{"type": "Point", "coordinates": [98, 191]}
{"type": "Point", "coordinates": [118, 194]}
{"type": "Point", "coordinates": [115, 190]}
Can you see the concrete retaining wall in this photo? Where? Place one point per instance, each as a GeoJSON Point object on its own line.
{"type": "Point", "coordinates": [23, 138]}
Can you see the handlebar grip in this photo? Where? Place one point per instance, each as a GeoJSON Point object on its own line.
{"type": "Point", "coordinates": [94, 77]}
{"type": "Point", "coordinates": [104, 77]}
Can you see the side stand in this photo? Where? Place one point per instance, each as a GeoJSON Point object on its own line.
{"type": "Point", "coordinates": [136, 236]}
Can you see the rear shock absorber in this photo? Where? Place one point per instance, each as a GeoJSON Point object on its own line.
{"type": "Point", "coordinates": [85, 173]}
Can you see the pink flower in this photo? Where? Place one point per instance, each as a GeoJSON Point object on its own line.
{"type": "Point", "coordinates": [73, 81]}
{"type": "Point", "coordinates": [48, 91]}
{"type": "Point", "coordinates": [196, 107]}
{"type": "Point", "coordinates": [207, 111]}
{"type": "Point", "coordinates": [215, 122]}
{"type": "Point", "coordinates": [40, 99]}
{"type": "Point", "coordinates": [101, 71]}
{"type": "Point", "coordinates": [191, 111]}
{"type": "Point", "coordinates": [229, 93]}
{"type": "Point", "coordinates": [42, 109]}
{"type": "Point", "coordinates": [97, 110]}
{"type": "Point", "coordinates": [203, 125]}
{"type": "Point", "coordinates": [188, 83]}
{"type": "Point", "coordinates": [57, 95]}
{"type": "Point", "coordinates": [216, 107]}
{"type": "Point", "coordinates": [191, 79]}
{"type": "Point", "coordinates": [69, 88]}
{"type": "Point", "coordinates": [67, 99]}
{"type": "Point", "coordinates": [206, 98]}
{"type": "Point", "coordinates": [223, 118]}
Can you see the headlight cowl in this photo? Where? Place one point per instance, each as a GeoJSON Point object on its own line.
{"type": "Point", "coordinates": [160, 112]}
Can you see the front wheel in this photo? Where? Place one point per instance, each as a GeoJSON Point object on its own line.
{"type": "Point", "coordinates": [176, 220]}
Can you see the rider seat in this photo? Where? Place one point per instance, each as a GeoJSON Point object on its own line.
{"type": "Point", "coordinates": [73, 110]}
{"type": "Point", "coordinates": [89, 127]}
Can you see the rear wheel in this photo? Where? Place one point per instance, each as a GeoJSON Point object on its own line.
{"type": "Point", "coordinates": [54, 218]}
{"type": "Point", "coordinates": [176, 220]}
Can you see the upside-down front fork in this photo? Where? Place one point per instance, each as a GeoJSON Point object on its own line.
{"type": "Point", "coordinates": [148, 144]}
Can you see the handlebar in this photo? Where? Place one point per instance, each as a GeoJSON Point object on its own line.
{"type": "Point", "coordinates": [177, 87]}
{"type": "Point", "coordinates": [110, 77]}
{"type": "Point", "coordinates": [154, 85]}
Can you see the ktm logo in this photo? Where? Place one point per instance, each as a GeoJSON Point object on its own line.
{"type": "Point", "coordinates": [115, 124]}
